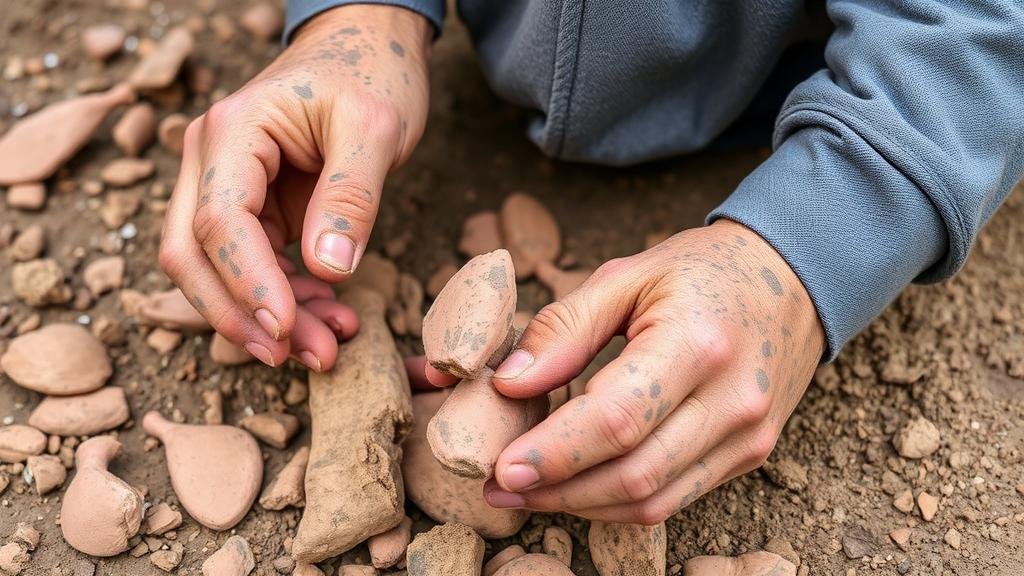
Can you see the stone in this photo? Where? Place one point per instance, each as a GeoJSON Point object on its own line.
{"type": "Point", "coordinates": [159, 68]}
{"type": "Point", "coordinates": [787, 473]}
{"type": "Point", "coordinates": [163, 341]}
{"type": "Point", "coordinates": [918, 439]}
{"type": "Point", "coordinates": [297, 392]}
{"type": "Point", "coordinates": [102, 41]}
{"type": "Point", "coordinates": [274, 428]}
{"type": "Point", "coordinates": [171, 132]}
{"type": "Point", "coordinates": [227, 353]}
{"type": "Point", "coordinates": [47, 472]}
{"type": "Point", "coordinates": [284, 564]}
{"type": "Point", "coordinates": [952, 537]}
{"type": "Point", "coordinates": [13, 558]}
{"type": "Point", "coordinates": [118, 207]}
{"type": "Point", "coordinates": [18, 442]}
{"type": "Point", "coordinates": [170, 310]}
{"type": "Point", "coordinates": [502, 558]}
{"type": "Point", "coordinates": [388, 548]}
{"type": "Point", "coordinates": [161, 519]}
{"type": "Point", "coordinates": [136, 128]}
{"type": "Point", "coordinates": [83, 414]}
{"type": "Point", "coordinates": [614, 546]}
{"type": "Point", "coordinates": [124, 172]}
{"type": "Point", "coordinates": [356, 570]}
{"type": "Point", "coordinates": [928, 504]}
{"type": "Point", "coordinates": [447, 550]}
{"type": "Point", "coordinates": [104, 274]}
{"type": "Point", "coordinates": [481, 234]}
{"type": "Point", "coordinates": [904, 501]}
{"type": "Point", "coordinates": [26, 535]}
{"type": "Point", "coordinates": [530, 233]}
{"type": "Point", "coordinates": [168, 560]}
{"type": "Point", "coordinates": [858, 542]}
{"type": "Point", "coordinates": [782, 547]}
{"type": "Point", "coordinates": [542, 565]}
{"type": "Point", "coordinates": [757, 563]}
{"type": "Point", "coordinates": [58, 359]}
{"type": "Point", "coordinates": [557, 543]}
{"type": "Point", "coordinates": [29, 244]}
{"type": "Point", "coordinates": [40, 283]}
{"type": "Point", "coordinates": [287, 488]}
{"type": "Point", "coordinates": [901, 537]}
{"type": "Point", "coordinates": [234, 558]}
{"type": "Point", "coordinates": [28, 196]}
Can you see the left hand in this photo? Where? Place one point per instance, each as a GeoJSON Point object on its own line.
{"type": "Point", "coordinates": [723, 341]}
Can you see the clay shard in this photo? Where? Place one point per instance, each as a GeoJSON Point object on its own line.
{"type": "Point", "coordinates": [450, 549]}
{"type": "Point", "coordinates": [361, 412]}
{"type": "Point", "coordinates": [104, 274]}
{"type": "Point", "coordinates": [481, 234]}
{"type": "Point", "coordinates": [171, 132]}
{"type": "Point", "coordinates": [234, 558]}
{"type": "Point", "coordinates": [100, 512]}
{"type": "Point", "coordinates": [47, 472]}
{"type": "Point", "coordinates": [287, 487]}
{"type": "Point", "coordinates": [388, 548]}
{"type": "Point", "coordinates": [530, 232]}
{"type": "Point", "coordinates": [759, 563]}
{"type": "Point", "coordinates": [34, 148]}
{"type": "Point", "coordinates": [161, 519]}
{"type": "Point", "coordinates": [227, 353]}
{"type": "Point", "coordinates": [471, 319]}
{"type": "Point", "coordinates": [216, 471]}
{"type": "Point", "coordinates": [135, 130]}
{"type": "Point", "coordinates": [477, 422]}
{"type": "Point", "coordinates": [81, 415]}
{"type": "Point", "coordinates": [544, 565]}
{"type": "Point", "coordinates": [59, 359]}
{"type": "Point", "coordinates": [274, 428]}
{"type": "Point", "coordinates": [18, 442]}
{"type": "Point", "coordinates": [171, 310]}
{"type": "Point", "coordinates": [632, 549]}
{"type": "Point", "coordinates": [442, 495]}
{"type": "Point", "coordinates": [160, 67]}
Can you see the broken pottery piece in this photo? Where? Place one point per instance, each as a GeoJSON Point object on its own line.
{"type": "Point", "coordinates": [159, 68]}
{"type": "Point", "coordinates": [287, 487]}
{"type": "Point", "coordinates": [388, 548]}
{"type": "Point", "coordinates": [560, 282]}
{"type": "Point", "coordinates": [274, 428]}
{"type": "Point", "coordinates": [135, 130]}
{"type": "Point", "coordinates": [757, 563]}
{"type": "Point", "coordinates": [171, 310]}
{"type": "Point", "coordinates": [83, 414]}
{"type": "Point", "coordinates": [47, 472]}
{"type": "Point", "coordinates": [227, 353]}
{"type": "Point", "coordinates": [40, 283]}
{"type": "Point", "coordinates": [104, 274]}
{"type": "Point", "coordinates": [34, 148]}
{"type": "Point", "coordinates": [544, 565]}
{"type": "Point", "coordinates": [530, 233]}
{"type": "Point", "coordinates": [100, 512]}
{"type": "Point", "coordinates": [234, 558]}
{"type": "Point", "coordinates": [216, 471]}
{"type": "Point", "coordinates": [376, 273]}
{"type": "Point", "coordinates": [123, 172]}
{"type": "Point", "coordinates": [615, 547]}
{"type": "Point", "coordinates": [27, 196]}
{"type": "Point", "coordinates": [160, 519]}
{"type": "Point", "coordinates": [442, 495]}
{"type": "Point", "coordinates": [58, 359]}
{"type": "Point", "coordinates": [450, 549]}
{"type": "Point", "coordinates": [481, 234]}
{"type": "Point", "coordinates": [18, 442]}
{"type": "Point", "coordinates": [471, 319]}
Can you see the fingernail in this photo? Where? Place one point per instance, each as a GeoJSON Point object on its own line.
{"type": "Point", "coordinates": [513, 366]}
{"type": "Point", "coordinates": [335, 251]}
{"type": "Point", "coordinates": [260, 352]}
{"type": "Point", "coordinates": [310, 359]}
{"type": "Point", "coordinates": [502, 499]}
{"type": "Point", "coordinates": [269, 323]}
{"type": "Point", "coordinates": [518, 477]}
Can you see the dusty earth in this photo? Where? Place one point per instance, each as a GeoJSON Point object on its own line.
{"type": "Point", "coordinates": [953, 353]}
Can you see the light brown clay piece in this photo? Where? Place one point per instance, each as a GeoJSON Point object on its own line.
{"type": "Point", "coordinates": [58, 359]}
{"type": "Point", "coordinates": [759, 563]}
{"type": "Point", "coordinates": [274, 428]}
{"type": "Point", "coordinates": [82, 415]}
{"type": "Point", "coordinates": [159, 68]}
{"type": "Point", "coordinates": [388, 548]}
{"type": "Point", "coordinates": [18, 442]}
{"type": "Point", "coordinates": [503, 557]}
{"type": "Point", "coordinates": [135, 130]}
{"type": "Point", "coordinates": [481, 234]}
{"type": "Point", "coordinates": [171, 310]}
{"type": "Point", "coordinates": [287, 487]}
{"type": "Point", "coordinates": [234, 558]}
{"type": "Point", "coordinates": [530, 233]}
{"type": "Point", "coordinates": [227, 353]}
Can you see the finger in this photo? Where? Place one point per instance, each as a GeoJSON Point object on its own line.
{"type": "Point", "coordinates": [415, 367]}
{"type": "Point", "coordinates": [187, 266]}
{"type": "Point", "coordinates": [305, 288]}
{"type": "Point", "coordinates": [564, 336]}
{"type": "Point", "coordinates": [360, 150]}
{"type": "Point", "coordinates": [338, 317]}
{"type": "Point", "coordinates": [313, 342]}
{"type": "Point", "coordinates": [236, 164]}
{"type": "Point", "coordinates": [439, 379]}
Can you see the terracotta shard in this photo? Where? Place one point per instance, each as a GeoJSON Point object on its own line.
{"type": "Point", "coordinates": [171, 132]}
{"type": "Point", "coordinates": [442, 495]}
{"type": "Point", "coordinates": [18, 442]}
{"type": "Point", "coordinates": [376, 273]}
{"type": "Point", "coordinates": [59, 359]}
{"type": "Point", "coordinates": [287, 487]}
{"type": "Point", "coordinates": [34, 148]}
{"type": "Point", "coordinates": [216, 471]}
{"type": "Point", "coordinates": [544, 565]}
{"type": "Point", "coordinates": [388, 548]}
{"type": "Point", "coordinates": [104, 274]}
{"type": "Point", "coordinates": [160, 67]}
{"type": "Point", "coordinates": [481, 234]}
{"type": "Point", "coordinates": [447, 550]}
{"type": "Point", "coordinates": [471, 318]}
{"type": "Point", "coordinates": [226, 352]}
{"type": "Point", "coordinates": [46, 471]}
{"type": "Point", "coordinates": [171, 310]}
{"type": "Point", "coordinates": [135, 130]}
{"type": "Point", "coordinates": [100, 512]}
{"type": "Point", "coordinates": [122, 172]}
{"type": "Point", "coordinates": [530, 233]}
{"type": "Point", "coordinates": [82, 415]}
{"type": "Point", "coordinates": [274, 428]}
{"type": "Point", "coordinates": [234, 558]}
{"type": "Point", "coordinates": [476, 423]}
{"type": "Point", "coordinates": [624, 548]}
{"type": "Point", "coordinates": [361, 412]}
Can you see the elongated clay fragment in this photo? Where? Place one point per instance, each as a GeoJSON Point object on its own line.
{"type": "Point", "coordinates": [58, 359]}
{"type": "Point", "coordinates": [34, 148]}
{"type": "Point", "coordinates": [161, 66]}
{"type": "Point", "coordinates": [101, 512]}
{"type": "Point", "coordinates": [81, 415]}
{"type": "Point", "coordinates": [361, 411]}
{"type": "Point", "coordinates": [216, 471]}
{"type": "Point", "coordinates": [471, 319]}
{"type": "Point", "coordinates": [287, 487]}
{"type": "Point", "coordinates": [477, 422]}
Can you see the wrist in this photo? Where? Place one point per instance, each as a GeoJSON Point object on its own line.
{"type": "Point", "coordinates": [410, 28]}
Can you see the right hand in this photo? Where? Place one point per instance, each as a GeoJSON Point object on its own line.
{"type": "Point", "coordinates": [298, 153]}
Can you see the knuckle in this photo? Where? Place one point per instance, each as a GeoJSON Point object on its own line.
{"type": "Point", "coordinates": [753, 408]}
{"type": "Point", "coordinates": [619, 426]}
{"type": "Point", "coordinates": [639, 482]}
{"type": "Point", "coordinates": [759, 449]}
{"type": "Point", "coordinates": [378, 118]}
{"type": "Point", "coordinates": [613, 267]}
{"type": "Point", "coordinates": [712, 346]}
{"type": "Point", "coordinates": [208, 225]}
{"type": "Point", "coordinates": [170, 255]}
{"type": "Point", "coordinates": [226, 111]}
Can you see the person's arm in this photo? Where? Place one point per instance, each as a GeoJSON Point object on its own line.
{"type": "Point", "coordinates": [300, 11]}
{"type": "Point", "coordinates": [888, 162]}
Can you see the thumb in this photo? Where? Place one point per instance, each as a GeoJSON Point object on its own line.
{"type": "Point", "coordinates": [343, 206]}
{"type": "Point", "coordinates": [564, 336]}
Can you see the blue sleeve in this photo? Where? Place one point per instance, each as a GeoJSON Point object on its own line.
{"type": "Point", "coordinates": [888, 162]}
{"type": "Point", "coordinates": [301, 10]}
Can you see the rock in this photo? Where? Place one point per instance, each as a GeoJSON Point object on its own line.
{"type": "Point", "coordinates": [388, 548]}
{"type": "Point", "coordinates": [103, 40]}
{"type": "Point", "coordinates": [615, 547]}
{"type": "Point", "coordinates": [59, 359]}
{"type": "Point", "coordinates": [502, 558]}
{"type": "Point", "coordinates": [481, 234]}
{"type": "Point", "coordinates": [356, 570]}
{"type": "Point", "coordinates": [918, 439]}
{"type": "Point", "coordinates": [214, 412]}
{"type": "Point", "coordinates": [287, 487]}
{"type": "Point", "coordinates": [47, 472]}
{"type": "Point", "coordinates": [539, 565]}
{"type": "Point", "coordinates": [159, 68]}
{"type": "Point", "coordinates": [123, 172]}
{"type": "Point", "coordinates": [782, 547]}
{"type": "Point", "coordinates": [18, 442]}
{"type": "Point", "coordinates": [558, 543]}
{"type": "Point", "coordinates": [858, 542]}
{"type": "Point", "coordinates": [4, 481]}
{"type": "Point", "coordinates": [757, 563]}
{"type": "Point", "coordinates": [28, 196]}
{"type": "Point", "coordinates": [172, 311]}
{"type": "Point", "coordinates": [104, 274]}
{"type": "Point", "coordinates": [296, 393]}
{"type": "Point", "coordinates": [100, 512]}
{"type": "Point", "coordinates": [168, 560]}
{"type": "Point", "coordinates": [83, 414]}
{"type": "Point", "coordinates": [227, 353]}
{"type": "Point", "coordinates": [447, 550]}
{"type": "Point", "coordinates": [530, 233]}
{"type": "Point", "coordinates": [161, 519]}
{"type": "Point", "coordinates": [560, 282]}
{"type": "Point", "coordinates": [171, 132]}
{"type": "Point", "coordinates": [34, 148]}
{"type": "Point", "coordinates": [40, 283]}
{"type": "Point", "coordinates": [135, 130]}
{"type": "Point", "coordinates": [787, 473]}
{"type": "Point", "coordinates": [13, 558]}
{"type": "Point", "coordinates": [303, 569]}
{"type": "Point", "coordinates": [264, 21]}
{"type": "Point", "coordinates": [216, 471]}
{"type": "Point", "coordinates": [378, 274]}
{"type": "Point", "coordinates": [234, 558]}
{"type": "Point", "coordinates": [442, 495]}
{"type": "Point", "coordinates": [163, 341]}
{"type": "Point", "coordinates": [29, 244]}
{"type": "Point", "coordinates": [284, 564]}
{"type": "Point", "coordinates": [108, 330]}
{"type": "Point", "coordinates": [118, 207]}
{"type": "Point", "coordinates": [471, 319]}
{"type": "Point", "coordinates": [901, 536]}
{"type": "Point", "coordinates": [928, 504]}
{"type": "Point", "coordinates": [439, 278]}
{"type": "Point", "coordinates": [952, 537]}
{"type": "Point", "coordinates": [904, 501]}
{"type": "Point", "coordinates": [274, 428]}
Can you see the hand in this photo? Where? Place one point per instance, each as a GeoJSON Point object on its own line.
{"type": "Point", "coordinates": [298, 153]}
{"type": "Point", "coordinates": [723, 340]}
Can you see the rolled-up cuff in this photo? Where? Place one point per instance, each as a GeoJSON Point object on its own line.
{"type": "Point", "coordinates": [299, 11]}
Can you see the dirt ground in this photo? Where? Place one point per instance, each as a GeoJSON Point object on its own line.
{"type": "Point", "coordinates": [953, 353]}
